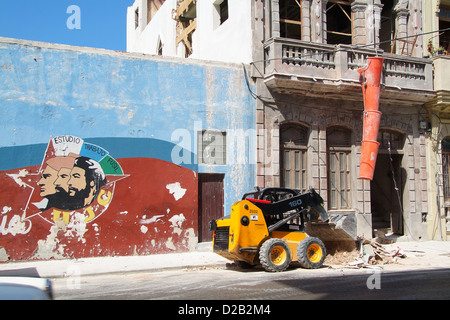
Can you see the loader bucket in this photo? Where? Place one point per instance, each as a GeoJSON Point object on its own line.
{"type": "Point", "coordinates": [334, 239]}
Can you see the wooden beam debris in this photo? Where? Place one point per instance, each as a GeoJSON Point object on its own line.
{"type": "Point", "coordinates": [372, 253]}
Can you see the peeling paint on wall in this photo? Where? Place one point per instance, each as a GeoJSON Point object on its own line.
{"type": "Point", "coordinates": [177, 223]}
{"type": "Point", "coordinates": [176, 189]}
{"type": "Point", "coordinates": [51, 248]}
{"type": "Point", "coordinates": [4, 257]}
{"type": "Point", "coordinates": [18, 177]}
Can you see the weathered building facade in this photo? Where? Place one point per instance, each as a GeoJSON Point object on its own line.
{"type": "Point", "coordinates": [437, 17]}
{"type": "Point", "coordinates": [309, 103]}
{"type": "Point", "coordinates": [311, 106]}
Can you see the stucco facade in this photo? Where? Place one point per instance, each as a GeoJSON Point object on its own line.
{"type": "Point", "coordinates": [135, 124]}
{"type": "Point", "coordinates": [212, 39]}
{"type": "Point", "coordinates": [309, 84]}
{"type": "Point", "coordinates": [435, 17]}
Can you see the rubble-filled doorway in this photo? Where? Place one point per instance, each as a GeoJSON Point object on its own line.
{"type": "Point", "coordinates": [386, 193]}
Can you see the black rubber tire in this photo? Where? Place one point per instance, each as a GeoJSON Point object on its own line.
{"type": "Point", "coordinates": [311, 253]}
{"type": "Point", "coordinates": [275, 255]}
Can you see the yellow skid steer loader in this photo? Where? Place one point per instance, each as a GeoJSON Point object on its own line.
{"type": "Point", "coordinates": [275, 226]}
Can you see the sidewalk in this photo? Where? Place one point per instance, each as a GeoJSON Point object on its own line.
{"type": "Point", "coordinates": [202, 257]}
{"type": "Point", "coordinates": [421, 254]}
{"type": "Point", "coordinates": [426, 254]}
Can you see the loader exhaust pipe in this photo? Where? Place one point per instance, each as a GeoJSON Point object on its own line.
{"type": "Point", "coordinates": [371, 75]}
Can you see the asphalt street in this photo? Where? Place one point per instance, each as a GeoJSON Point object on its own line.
{"type": "Point", "coordinates": [233, 284]}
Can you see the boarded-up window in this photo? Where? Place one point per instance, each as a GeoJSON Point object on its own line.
{"type": "Point", "coordinates": [212, 147]}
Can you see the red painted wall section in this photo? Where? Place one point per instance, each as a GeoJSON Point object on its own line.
{"type": "Point", "coordinates": [145, 206]}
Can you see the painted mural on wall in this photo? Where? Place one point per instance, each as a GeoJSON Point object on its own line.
{"type": "Point", "coordinates": [75, 178]}
{"type": "Point", "coordinates": [81, 202]}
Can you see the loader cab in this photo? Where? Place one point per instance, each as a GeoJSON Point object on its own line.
{"type": "Point", "coordinates": [263, 198]}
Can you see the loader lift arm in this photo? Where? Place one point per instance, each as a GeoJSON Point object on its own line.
{"type": "Point", "coordinates": [268, 200]}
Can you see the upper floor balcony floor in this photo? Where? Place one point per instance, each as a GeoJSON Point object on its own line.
{"type": "Point", "coordinates": [317, 69]}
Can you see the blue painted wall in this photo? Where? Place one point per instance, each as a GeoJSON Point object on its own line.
{"type": "Point", "coordinates": [129, 104]}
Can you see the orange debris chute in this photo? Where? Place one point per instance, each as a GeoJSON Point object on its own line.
{"type": "Point", "coordinates": [371, 75]}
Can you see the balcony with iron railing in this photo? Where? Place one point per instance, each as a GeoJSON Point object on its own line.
{"type": "Point", "coordinates": [307, 68]}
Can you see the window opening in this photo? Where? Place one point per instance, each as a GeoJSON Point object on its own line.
{"type": "Point", "coordinates": [153, 7]}
{"type": "Point", "coordinates": [446, 178]}
{"type": "Point", "coordinates": [186, 17]}
{"type": "Point", "coordinates": [387, 26]}
{"type": "Point", "coordinates": [391, 140]}
{"type": "Point", "coordinates": [159, 48]}
{"type": "Point", "coordinates": [136, 18]}
{"type": "Point", "coordinates": [339, 22]}
{"type": "Point", "coordinates": [223, 9]}
{"type": "Point", "coordinates": [220, 13]}
{"type": "Point", "coordinates": [446, 168]}
{"type": "Point", "coordinates": [291, 19]}
{"type": "Point", "coordinates": [444, 23]}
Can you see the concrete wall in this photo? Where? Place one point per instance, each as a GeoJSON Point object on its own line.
{"type": "Point", "coordinates": [228, 42]}
{"type": "Point", "coordinates": [146, 37]}
{"type": "Point", "coordinates": [441, 78]}
{"type": "Point", "coordinates": [136, 120]}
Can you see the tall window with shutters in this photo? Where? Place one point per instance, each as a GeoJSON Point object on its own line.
{"type": "Point", "coordinates": [293, 158]}
{"type": "Point", "coordinates": [339, 164]}
{"type": "Point", "coordinates": [446, 168]}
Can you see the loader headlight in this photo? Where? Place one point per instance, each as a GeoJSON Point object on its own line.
{"type": "Point", "coordinates": [245, 221]}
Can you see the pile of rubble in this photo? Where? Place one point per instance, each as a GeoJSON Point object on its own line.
{"type": "Point", "coordinates": [369, 255]}
{"type": "Point", "coordinates": [373, 253]}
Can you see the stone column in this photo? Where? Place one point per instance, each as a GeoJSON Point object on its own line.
{"type": "Point", "coordinates": [373, 19]}
{"type": "Point", "coordinates": [401, 26]}
{"type": "Point", "coordinates": [359, 23]}
{"type": "Point", "coordinates": [318, 19]}
{"type": "Point", "coordinates": [415, 27]}
{"type": "Point", "coordinates": [306, 20]}
{"type": "Point", "coordinates": [275, 18]}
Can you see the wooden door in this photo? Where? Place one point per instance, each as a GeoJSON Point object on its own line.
{"type": "Point", "coordinates": [210, 201]}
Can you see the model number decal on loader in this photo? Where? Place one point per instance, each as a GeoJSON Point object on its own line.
{"type": "Point", "coordinates": [295, 203]}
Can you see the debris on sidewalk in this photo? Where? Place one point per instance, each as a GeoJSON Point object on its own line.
{"type": "Point", "coordinates": [371, 254]}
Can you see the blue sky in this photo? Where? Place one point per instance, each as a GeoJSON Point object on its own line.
{"type": "Point", "coordinates": [102, 22]}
